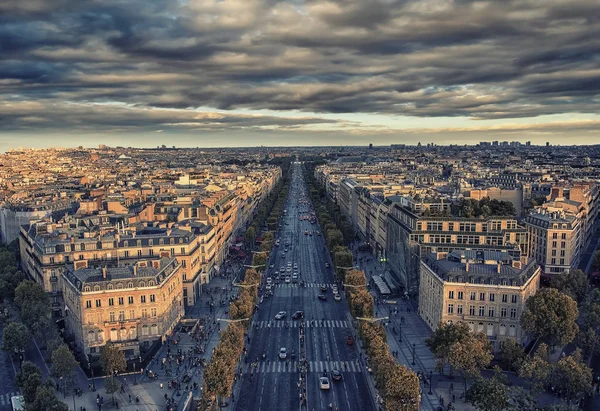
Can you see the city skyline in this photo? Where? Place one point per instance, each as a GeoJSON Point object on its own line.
{"type": "Point", "coordinates": [297, 73]}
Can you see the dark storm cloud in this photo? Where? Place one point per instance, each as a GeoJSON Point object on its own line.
{"type": "Point", "coordinates": [423, 58]}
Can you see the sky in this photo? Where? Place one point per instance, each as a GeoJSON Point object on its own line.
{"type": "Point", "coordinates": [210, 73]}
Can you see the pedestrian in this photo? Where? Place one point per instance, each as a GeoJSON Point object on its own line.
{"type": "Point", "coordinates": [161, 386]}
{"type": "Point", "coordinates": [130, 398]}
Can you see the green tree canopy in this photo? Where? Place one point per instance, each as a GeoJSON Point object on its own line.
{"type": "Point", "coordinates": [596, 261]}
{"type": "Point", "coordinates": [574, 283]}
{"type": "Point", "coordinates": [551, 316]}
{"type": "Point", "coordinates": [63, 362]}
{"type": "Point", "coordinates": [28, 380]}
{"type": "Point", "coordinates": [470, 354]}
{"type": "Point", "coordinates": [112, 359]}
{"type": "Point", "coordinates": [444, 337]}
{"type": "Point", "coordinates": [512, 355]}
{"type": "Point", "coordinates": [572, 377]}
{"type": "Point", "coordinates": [488, 394]}
{"type": "Point", "coordinates": [45, 399]}
{"type": "Point", "coordinates": [537, 369]}
{"type": "Point", "coordinates": [15, 337]}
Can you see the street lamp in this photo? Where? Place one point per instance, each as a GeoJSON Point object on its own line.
{"type": "Point", "coordinates": [92, 371]}
{"type": "Point", "coordinates": [430, 381]}
{"type": "Point", "coordinates": [413, 352]}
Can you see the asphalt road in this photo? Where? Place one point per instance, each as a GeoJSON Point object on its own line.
{"type": "Point", "coordinates": [274, 384]}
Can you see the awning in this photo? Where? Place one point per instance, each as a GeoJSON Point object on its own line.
{"type": "Point", "coordinates": [381, 285]}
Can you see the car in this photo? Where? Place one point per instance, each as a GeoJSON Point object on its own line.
{"type": "Point", "coordinates": [322, 297]}
{"type": "Point", "coordinates": [295, 266]}
{"type": "Point", "coordinates": [336, 375]}
{"type": "Point", "coordinates": [268, 287]}
{"type": "Point", "coordinates": [186, 378]}
{"type": "Point", "coordinates": [323, 289]}
{"type": "Point", "coordinates": [334, 288]}
{"type": "Point", "coordinates": [280, 315]}
{"type": "Point", "coordinates": [282, 353]}
{"type": "Point", "coordinates": [297, 315]}
{"type": "Point", "coordinates": [288, 279]}
{"type": "Point", "coordinates": [285, 249]}
{"type": "Point", "coordinates": [289, 264]}
{"type": "Point", "coordinates": [326, 265]}
{"type": "Point", "coordinates": [289, 269]}
{"type": "Point", "coordinates": [337, 297]}
{"type": "Point", "coordinates": [324, 383]}
{"type": "Point", "coordinates": [271, 265]}
{"type": "Point", "coordinates": [269, 280]}
{"type": "Point", "coordinates": [282, 269]}
{"type": "Point", "coordinates": [283, 255]}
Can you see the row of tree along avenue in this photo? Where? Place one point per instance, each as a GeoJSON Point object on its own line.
{"type": "Point", "coordinates": [219, 373]}
{"type": "Point", "coordinates": [397, 385]}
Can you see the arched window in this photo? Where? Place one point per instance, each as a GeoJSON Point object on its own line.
{"type": "Point", "coordinates": [490, 329]}
{"type": "Point", "coordinates": [100, 335]}
{"type": "Point", "coordinates": [154, 329]}
{"type": "Point", "coordinates": [512, 331]}
{"type": "Point", "coordinates": [132, 333]}
{"type": "Point", "coordinates": [110, 287]}
{"type": "Point", "coordinates": [480, 327]}
{"type": "Point", "coordinates": [151, 283]}
{"type": "Point", "coordinates": [119, 286]}
{"type": "Point", "coordinates": [87, 289]}
{"type": "Point", "coordinates": [145, 330]}
{"type": "Point", "coordinates": [123, 333]}
{"type": "Point", "coordinates": [472, 326]}
{"type": "Point", "coordinates": [502, 329]}
{"type": "Point", "coordinates": [91, 337]}
{"type": "Point", "coordinates": [142, 284]}
{"type": "Point", "coordinates": [114, 335]}
{"type": "Point", "coordinates": [130, 284]}
{"type": "Point", "coordinates": [96, 288]}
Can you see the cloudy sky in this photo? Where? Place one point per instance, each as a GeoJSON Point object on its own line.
{"type": "Point", "coordinates": [298, 72]}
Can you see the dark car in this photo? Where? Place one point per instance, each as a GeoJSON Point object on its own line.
{"type": "Point", "coordinates": [323, 289]}
{"type": "Point", "coordinates": [322, 297]}
{"type": "Point", "coordinates": [186, 378]}
{"type": "Point", "coordinates": [336, 375]}
{"type": "Point", "coordinates": [297, 315]}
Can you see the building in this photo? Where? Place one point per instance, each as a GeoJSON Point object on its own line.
{"type": "Point", "coordinates": [485, 289]}
{"type": "Point", "coordinates": [411, 234]}
{"type": "Point", "coordinates": [129, 306]}
{"type": "Point", "coordinates": [555, 239]}
{"type": "Point", "coordinates": [46, 248]}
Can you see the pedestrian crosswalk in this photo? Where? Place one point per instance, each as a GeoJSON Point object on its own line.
{"type": "Point", "coordinates": [306, 285]}
{"type": "Point", "coordinates": [5, 398]}
{"type": "Point", "coordinates": [307, 324]}
{"type": "Point", "coordinates": [292, 366]}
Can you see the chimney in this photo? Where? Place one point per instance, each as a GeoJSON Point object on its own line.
{"type": "Point", "coordinates": [499, 266]}
{"type": "Point", "coordinates": [467, 266]}
{"type": "Point", "coordinates": [104, 272]}
{"type": "Point", "coordinates": [135, 270]}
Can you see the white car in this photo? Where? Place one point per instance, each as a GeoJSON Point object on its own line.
{"type": "Point", "coordinates": [337, 297]}
{"type": "Point", "coordinates": [271, 265]}
{"type": "Point", "coordinates": [282, 353]}
{"type": "Point", "coordinates": [280, 315]}
{"type": "Point", "coordinates": [324, 383]}
{"type": "Point", "coordinates": [268, 287]}
{"type": "Point", "coordinates": [288, 279]}
{"type": "Point", "coordinates": [269, 280]}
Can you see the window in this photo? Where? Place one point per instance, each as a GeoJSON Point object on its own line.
{"type": "Point", "coordinates": [133, 333]}
{"type": "Point", "coordinates": [563, 236]}
{"type": "Point", "coordinates": [88, 304]}
{"type": "Point", "coordinates": [512, 331]}
{"type": "Point", "coordinates": [563, 244]}
{"type": "Point", "coordinates": [121, 301]}
{"type": "Point", "coordinates": [555, 235]}
{"type": "Point", "coordinates": [472, 310]}
{"type": "Point", "coordinates": [490, 329]}
{"type": "Point", "coordinates": [554, 244]}
{"type": "Point", "coordinates": [154, 329]}
{"type": "Point", "coordinates": [513, 313]}
{"type": "Point", "coordinates": [111, 302]}
{"type": "Point", "coordinates": [98, 303]}
{"type": "Point", "coordinates": [450, 308]}
{"type": "Point", "coordinates": [481, 296]}
{"type": "Point", "coordinates": [491, 312]}
{"type": "Point", "coordinates": [553, 261]}
{"type": "Point", "coordinates": [451, 294]}
{"type": "Point", "coordinates": [480, 327]}
{"type": "Point", "coordinates": [461, 295]}
{"type": "Point", "coordinates": [481, 310]}
{"type": "Point", "coordinates": [113, 334]}
{"type": "Point", "coordinates": [87, 289]}
{"type": "Point", "coordinates": [504, 298]}
{"type": "Point", "coordinates": [513, 299]}
{"type": "Point", "coordinates": [492, 297]}
{"type": "Point", "coordinates": [130, 299]}
{"type": "Point", "coordinates": [502, 329]}
{"type": "Point", "coordinates": [145, 330]}
{"type": "Point", "coordinates": [142, 298]}
{"type": "Point", "coordinates": [152, 298]}
{"type": "Point", "coordinates": [121, 315]}
{"type": "Point", "coordinates": [151, 283]}
{"type": "Point", "coordinates": [153, 312]}
{"type": "Point", "coordinates": [109, 287]}
{"type": "Point", "coordinates": [132, 314]}
{"type": "Point", "coordinates": [503, 312]}
{"type": "Point", "coordinates": [123, 333]}
{"type": "Point", "coordinates": [459, 309]}
{"type": "Point", "coordinates": [144, 313]}
{"type": "Point", "coordinates": [111, 316]}
{"type": "Point", "coordinates": [562, 261]}
{"type": "Point", "coordinates": [473, 296]}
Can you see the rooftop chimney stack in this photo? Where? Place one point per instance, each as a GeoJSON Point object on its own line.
{"type": "Point", "coordinates": [104, 272]}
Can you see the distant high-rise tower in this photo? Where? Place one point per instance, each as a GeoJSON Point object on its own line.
{"type": "Point", "coordinates": [370, 145]}
{"type": "Point", "coordinates": [547, 144]}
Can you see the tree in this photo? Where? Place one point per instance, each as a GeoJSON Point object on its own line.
{"type": "Point", "coordinates": [34, 306]}
{"type": "Point", "coordinates": [401, 387]}
{"type": "Point", "coordinates": [571, 377]}
{"type": "Point", "coordinates": [45, 399]}
{"type": "Point", "coordinates": [590, 310]}
{"type": "Point", "coordinates": [334, 238]}
{"type": "Point", "coordinates": [28, 380]}
{"type": "Point", "coordinates": [63, 362]}
{"type": "Point", "coordinates": [573, 283]}
{"type": "Point", "coordinates": [551, 316]}
{"type": "Point", "coordinates": [512, 355]}
{"type": "Point", "coordinates": [537, 369]}
{"type": "Point", "coordinates": [111, 385]}
{"type": "Point", "coordinates": [112, 359]}
{"type": "Point", "coordinates": [443, 338]}
{"type": "Point", "coordinates": [259, 260]}
{"type": "Point", "coordinates": [469, 355]}
{"type": "Point", "coordinates": [15, 337]}
{"type": "Point", "coordinates": [250, 236]}
{"type": "Point", "coordinates": [361, 302]}
{"type": "Point", "coordinates": [488, 394]}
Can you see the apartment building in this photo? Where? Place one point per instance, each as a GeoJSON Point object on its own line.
{"type": "Point", "coordinates": [130, 306]}
{"type": "Point", "coordinates": [47, 247]}
{"type": "Point", "coordinates": [485, 289]}
{"type": "Point", "coordinates": [412, 234]}
{"type": "Point", "coordinates": [556, 239]}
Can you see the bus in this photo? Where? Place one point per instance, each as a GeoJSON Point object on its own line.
{"type": "Point", "coordinates": [18, 403]}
